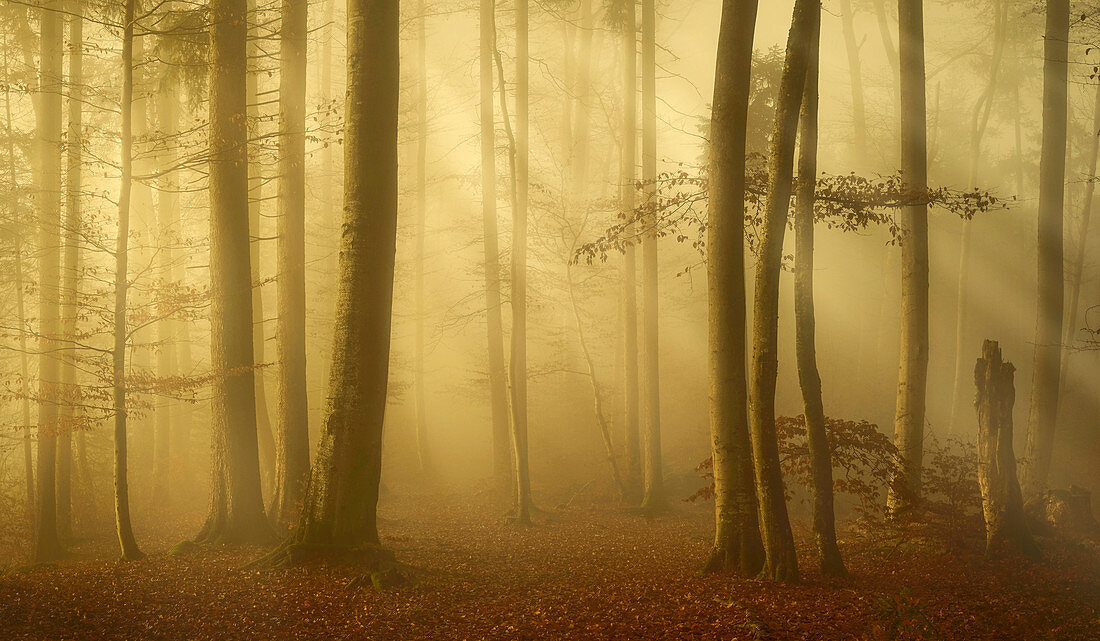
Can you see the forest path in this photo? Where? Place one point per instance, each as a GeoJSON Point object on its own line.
{"type": "Point", "coordinates": [581, 573]}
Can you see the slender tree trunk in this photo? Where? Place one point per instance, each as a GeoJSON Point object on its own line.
{"type": "Point", "coordinates": [979, 119]}
{"type": "Point", "coordinates": [519, 270]}
{"type": "Point", "coordinates": [70, 271]}
{"type": "Point", "coordinates": [737, 543]}
{"type": "Point", "coordinates": [821, 464]}
{"type": "Point", "coordinates": [913, 369]}
{"type": "Point", "coordinates": [422, 450]}
{"type": "Point", "coordinates": [887, 39]}
{"type": "Point", "coordinates": [47, 544]}
{"type": "Point", "coordinates": [654, 486]}
{"type": "Point", "coordinates": [127, 545]}
{"type": "Point", "coordinates": [628, 188]}
{"type": "Point", "coordinates": [255, 196]}
{"type": "Point", "coordinates": [498, 389]}
{"type": "Point", "coordinates": [292, 411]}
{"type": "Point", "coordinates": [1051, 294]}
{"type": "Point", "coordinates": [1002, 501]}
{"type": "Point", "coordinates": [859, 107]}
{"type": "Point", "coordinates": [1078, 266]}
{"type": "Point", "coordinates": [582, 87]}
{"type": "Point", "coordinates": [236, 502]}
{"type": "Point", "coordinates": [780, 561]}
{"type": "Point", "coordinates": [342, 495]}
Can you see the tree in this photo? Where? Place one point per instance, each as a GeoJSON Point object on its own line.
{"type": "Point", "coordinates": [859, 106]}
{"type": "Point", "coordinates": [48, 125]}
{"type": "Point", "coordinates": [628, 193]}
{"type": "Point", "coordinates": [342, 494]}
{"type": "Point", "coordinates": [292, 411]}
{"type": "Point", "coordinates": [654, 492]}
{"type": "Point", "coordinates": [821, 465]}
{"type": "Point", "coordinates": [497, 372]}
{"type": "Point", "coordinates": [780, 560]}
{"type": "Point", "coordinates": [236, 502]}
{"type": "Point", "coordinates": [1051, 284]}
{"type": "Point", "coordinates": [422, 450]}
{"type": "Point", "coordinates": [913, 371]}
{"type": "Point", "coordinates": [737, 544]}
{"type": "Point", "coordinates": [127, 544]}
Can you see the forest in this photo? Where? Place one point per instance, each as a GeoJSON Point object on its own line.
{"type": "Point", "coordinates": [550, 319]}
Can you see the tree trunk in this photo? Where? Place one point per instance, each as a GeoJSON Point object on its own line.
{"type": "Point", "coordinates": [342, 495]}
{"type": "Point", "coordinates": [780, 561]}
{"type": "Point", "coordinates": [127, 545]}
{"type": "Point", "coordinates": [859, 107]}
{"type": "Point", "coordinates": [70, 272]}
{"type": "Point", "coordinates": [582, 90]}
{"type": "Point", "coordinates": [978, 121]}
{"type": "Point", "coordinates": [292, 413]}
{"type": "Point", "coordinates": [913, 369]}
{"type": "Point", "coordinates": [654, 486]}
{"type": "Point", "coordinates": [821, 464]}
{"type": "Point", "coordinates": [422, 449]}
{"type": "Point", "coordinates": [236, 502]}
{"type": "Point", "coordinates": [737, 543]}
{"type": "Point", "coordinates": [47, 544]}
{"type": "Point", "coordinates": [265, 438]}
{"type": "Point", "coordinates": [497, 372]}
{"type": "Point", "coordinates": [1051, 293]}
{"type": "Point", "coordinates": [1002, 502]}
{"type": "Point", "coordinates": [628, 188]}
{"type": "Point", "coordinates": [519, 270]}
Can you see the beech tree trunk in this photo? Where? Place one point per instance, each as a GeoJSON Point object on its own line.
{"type": "Point", "coordinates": [498, 390]}
{"type": "Point", "coordinates": [737, 543]}
{"type": "Point", "coordinates": [127, 544]}
{"type": "Point", "coordinates": [913, 370]}
{"type": "Point", "coordinates": [628, 192]}
{"type": "Point", "coordinates": [47, 544]}
{"type": "Point", "coordinates": [859, 106]}
{"type": "Point", "coordinates": [236, 501]}
{"type": "Point", "coordinates": [654, 486]}
{"type": "Point", "coordinates": [292, 410]}
{"type": "Point", "coordinates": [1002, 502]}
{"type": "Point", "coordinates": [1051, 285]}
{"type": "Point", "coordinates": [342, 495]}
{"type": "Point", "coordinates": [70, 272]}
{"type": "Point", "coordinates": [821, 464]}
{"type": "Point", "coordinates": [422, 449]}
{"type": "Point", "coordinates": [780, 562]}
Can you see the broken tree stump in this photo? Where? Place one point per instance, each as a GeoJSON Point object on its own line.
{"type": "Point", "coordinates": [1002, 501]}
{"type": "Point", "coordinates": [1066, 512]}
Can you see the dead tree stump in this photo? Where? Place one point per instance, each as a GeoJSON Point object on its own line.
{"type": "Point", "coordinates": [1002, 502]}
{"type": "Point", "coordinates": [1067, 512]}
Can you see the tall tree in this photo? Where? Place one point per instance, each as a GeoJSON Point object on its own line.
{"type": "Point", "coordinates": [49, 143]}
{"type": "Point", "coordinates": [422, 450]}
{"type": "Point", "coordinates": [292, 410]}
{"type": "Point", "coordinates": [70, 271]}
{"type": "Point", "coordinates": [654, 486]}
{"type": "Point", "coordinates": [628, 193]}
{"type": "Point", "coordinates": [780, 560]}
{"type": "Point", "coordinates": [821, 465]}
{"type": "Point", "coordinates": [495, 327]}
{"type": "Point", "coordinates": [855, 72]}
{"type": "Point", "coordinates": [737, 544]}
{"type": "Point", "coordinates": [236, 502]}
{"type": "Point", "coordinates": [913, 370]}
{"type": "Point", "coordinates": [342, 495]}
{"type": "Point", "coordinates": [123, 528]}
{"type": "Point", "coordinates": [1051, 294]}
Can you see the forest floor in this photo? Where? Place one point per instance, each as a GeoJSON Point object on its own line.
{"type": "Point", "coordinates": [584, 572]}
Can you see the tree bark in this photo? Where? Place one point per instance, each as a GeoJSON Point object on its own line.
{"type": "Point", "coordinates": [654, 486]}
{"type": "Point", "coordinates": [127, 544]}
{"type": "Point", "coordinates": [497, 371]}
{"type": "Point", "coordinates": [780, 560]}
{"type": "Point", "coordinates": [236, 501]}
{"type": "Point", "coordinates": [1051, 285]}
{"type": "Point", "coordinates": [292, 410]}
{"type": "Point", "coordinates": [47, 545]}
{"type": "Point", "coordinates": [859, 107]}
{"type": "Point", "coordinates": [1002, 502]}
{"type": "Point", "coordinates": [821, 464]}
{"type": "Point", "coordinates": [519, 270]}
{"type": "Point", "coordinates": [913, 369]}
{"type": "Point", "coordinates": [341, 500]}
{"type": "Point", "coordinates": [737, 543]}
{"type": "Point", "coordinates": [422, 449]}
{"type": "Point", "coordinates": [628, 189]}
